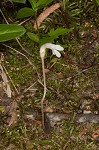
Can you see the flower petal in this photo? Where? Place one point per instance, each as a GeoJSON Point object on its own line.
{"type": "Point", "coordinates": [59, 48]}
{"type": "Point", "coordinates": [49, 45]}
{"type": "Point", "coordinates": [55, 52]}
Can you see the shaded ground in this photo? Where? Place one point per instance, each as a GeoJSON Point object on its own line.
{"type": "Point", "coordinates": [71, 80]}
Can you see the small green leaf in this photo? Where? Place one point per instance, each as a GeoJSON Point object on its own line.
{"type": "Point", "coordinates": [19, 1]}
{"type": "Point", "coordinates": [54, 60]}
{"type": "Point", "coordinates": [10, 31]}
{"type": "Point", "coordinates": [25, 12]}
{"type": "Point", "coordinates": [58, 32]}
{"type": "Point", "coordinates": [46, 39]}
{"type": "Point", "coordinates": [33, 37]}
{"type": "Point", "coordinates": [75, 12]}
{"type": "Point", "coordinates": [43, 3]}
{"type": "Point", "coordinates": [97, 2]}
{"type": "Point", "coordinates": [2, 109]}
{"type": "Point", "coordinates": [33, 4]}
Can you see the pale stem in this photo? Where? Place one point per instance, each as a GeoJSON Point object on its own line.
{"type": "Point", "coordinates": [44, 94]}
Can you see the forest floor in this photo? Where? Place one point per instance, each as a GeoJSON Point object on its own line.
{"type": "Point", "coordinates": [72, 87]}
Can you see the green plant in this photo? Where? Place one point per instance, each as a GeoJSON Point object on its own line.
{"type": "Point", "coordinates": [97, 2]}
{"type": "Point", "coordinates": [50, 36]}
{"type": "Point", "coordinates": [36, 5]}
{"type": "Point", "coordinates": [10, 31]}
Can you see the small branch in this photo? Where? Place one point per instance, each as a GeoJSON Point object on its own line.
{"type": "Point", "coordinates": [23, 47]}
{"type": "Point", "coordinates": [29, 87]}
{"type": "Point", "coordinates": [24, 21]}
{"type": "Point", "coordinates": [6, 85]}
{"type": "Point", "coordinates": [11, 80]}
{"type": "Point", "coordinates": [78, 73]}
{"type": "Point", "coordinates": [20, 54]}
{"type": "Point", "coordinates": [4, 17]}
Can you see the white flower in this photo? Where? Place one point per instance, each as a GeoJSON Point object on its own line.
{"type": "Point", "coordinates": [55, 49]}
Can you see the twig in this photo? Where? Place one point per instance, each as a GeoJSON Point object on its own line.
{"type": "Point", "coordinates": [29, 87]}
{"type": "Point", "coordinates": [20, 54]}
{"type": "Point", "coordinates": [64, 148]}
{"type": "Point", "coordinates": [23, 47]}
{"type": "Point", "coordinates": [4, 17]}
{"type": "Point", "coordinates": [40, 82]}
{"type": "Point", "coordinates": [24, 21]}
{"type": "Point", "coordinates": [7, 88]}
{"type": "Point", "coordinates": [78, 73]}
{"type": "Point", "coordinates": [52, 65]}
{"type": "Point", "coordinates": [11, 80]}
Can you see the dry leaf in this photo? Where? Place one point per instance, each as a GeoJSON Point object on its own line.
{"type": "Point", "coordinates": [11, 147]}
{"type": "Point", "coordinates": [46, 70]}
{"type": "Point", "coordinates": [94, 33]}
{"type": "Point", "coordinates": [38, 122]}
{"type": "Point", "coordinates": [12, 113]}
{"type": "Point", "coordinates": [31, 116]}
{"type": "Point", "coordinates": [95, 135]}
{"type": "Point", "coordinates": [45, 14]}
{"type": "Point", "coordinates": [6, 85]}
{"type": "Point", "coordinates": [48, 109]}
{"type": "Point", "coordinates": [59, 75]}
{"type": "Point", "coordinates": [95, 96]}
{"type": "Point", "coordinates": [83, 134]}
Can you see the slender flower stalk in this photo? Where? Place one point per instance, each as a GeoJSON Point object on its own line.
{"type": "Point", "coordinates": [55, 50]}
